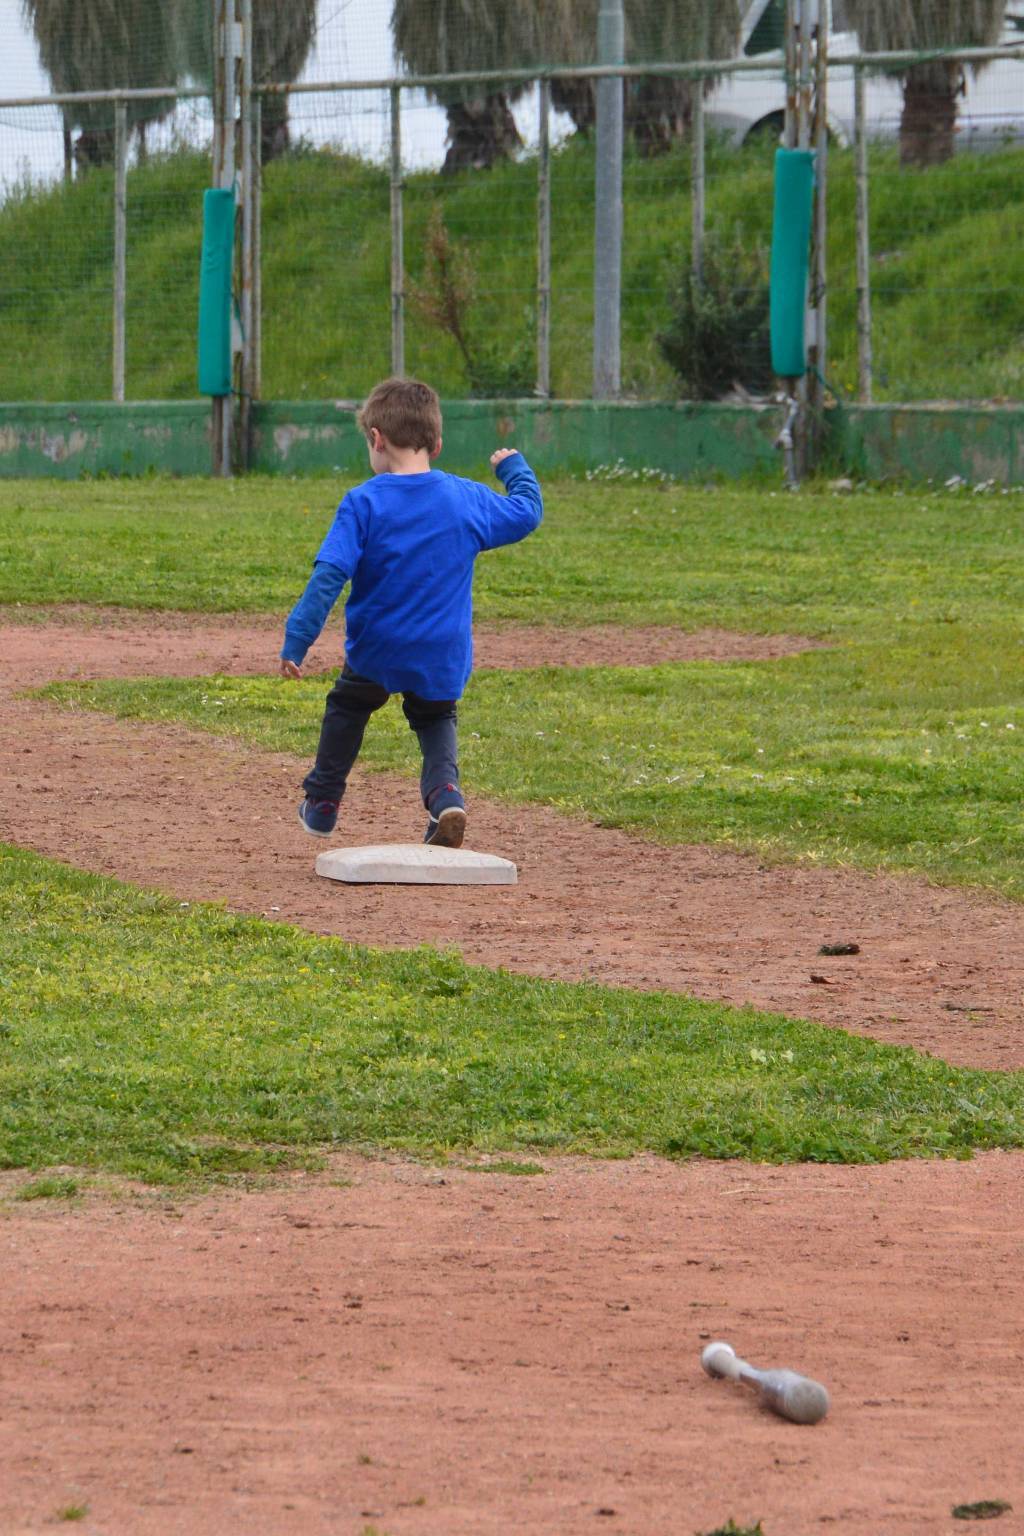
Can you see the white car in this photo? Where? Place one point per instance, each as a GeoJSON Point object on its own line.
{"type": "Point", "coordinates": [991, 109]}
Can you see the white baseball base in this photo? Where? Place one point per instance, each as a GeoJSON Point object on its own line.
{"type": "Point", "coordinates": [415, 864]}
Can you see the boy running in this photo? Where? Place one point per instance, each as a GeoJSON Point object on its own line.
{"type": "Point", "coordinates": [407, 539]}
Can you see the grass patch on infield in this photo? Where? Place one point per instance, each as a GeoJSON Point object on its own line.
{"type": "Point", "coordinates": [874, 564]}
{"type": "Point", "coordinates": [907, 758]}
{"type": "Point", "coordinates": [174, 1042]}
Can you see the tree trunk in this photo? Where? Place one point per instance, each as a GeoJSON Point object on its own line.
{"type": "Point", "coordinates": [479, 133]}
{"type": "Point", "coordinates": [659, 112]}
{"type": "Point", "coordinates": [275, 135]}
{"type": "Point", "coordinates": [928, 122]}
{"type": "Point", "coordinates": [575, 97]}
{"type": "Point", "coordinates": [94, 147]}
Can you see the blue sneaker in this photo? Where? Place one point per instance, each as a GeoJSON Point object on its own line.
{"type": "Point", "coordinates": [447, 825]}
{"type": "Point", "coordinates": [319, 817]}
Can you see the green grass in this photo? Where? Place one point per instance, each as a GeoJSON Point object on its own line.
{"type": "Point", "coordinates": [631, 554]}
{"type": "Point", "coordinates": [176, 1042]}
{"type": "Point", "coordinates": [505, 1167]}
{"type": "Point", "coordinates": [948, 272]}
{"type": "Point", "coordinates": [56, 1187]}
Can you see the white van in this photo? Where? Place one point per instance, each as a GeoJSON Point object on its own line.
{"type": "Point", "coordinates": [991, 112]}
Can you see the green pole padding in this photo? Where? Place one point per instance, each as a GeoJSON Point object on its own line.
{"type": "Point", "coordinates": [215, 292]}
{"type": "Point", "coordinates": [791, 244]}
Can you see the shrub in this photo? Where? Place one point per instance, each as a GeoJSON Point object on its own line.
{"type": "Point", "coordinates": [717, 337]}
{"type": "Point", "coordinates": [446, 297]}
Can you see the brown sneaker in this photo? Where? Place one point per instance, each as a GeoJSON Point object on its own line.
{"type": "Point", "coordinates": [447, 829]}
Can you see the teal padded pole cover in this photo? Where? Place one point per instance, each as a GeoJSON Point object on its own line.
{"type": "Point", "coordinates": [215, 291]}
{"type": "Point", "coordinates": [791, 246]}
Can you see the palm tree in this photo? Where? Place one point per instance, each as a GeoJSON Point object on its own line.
{"type": "Point", "coordinates": [658, 109]}
{"type": "Point", "coordinates": [930, 90]}
{"type": "Point", "coordinates": [282, 35]}
{"type": "Point", "coordinates": [440, 37]}
{"type": "Point", "coordinates": [449, 36]}
{"type": "Point", "coordinates": [100, 45]}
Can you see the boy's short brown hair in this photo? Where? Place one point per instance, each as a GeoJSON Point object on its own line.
{"type": "Point", "coordinates": [405, 411]}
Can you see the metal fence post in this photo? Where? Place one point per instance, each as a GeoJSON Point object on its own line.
{"type": "Point", "coordinates": [256, 320]}
{"type": "Point", "coordinates": [792, 71]}
{"type": "Point", "coordinates": [865, 361]}
{"type": "Point", "coordinates": [697, 163]}
{"type": "Point", "coordinates": [817, 351]}
{"type": "Point", "coordinates": [120, 242]}
{"type": "Point", "coordinates": [608, 205]}
{"type": "Point", "coordinates": [249, 173]}
{"type": "Point", "coordinates": [807, 127]}
{"type": "Point", "coordinates": [397, 239]}
{"type": "Point", "coordinates": [544, 240]}
{"type": "Point", "coordinates": [226, 53]}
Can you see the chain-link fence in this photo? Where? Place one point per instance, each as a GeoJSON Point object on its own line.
{"type": "Point", "coordinates": [486, 186]}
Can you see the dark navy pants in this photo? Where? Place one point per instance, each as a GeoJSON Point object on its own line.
{"type": "Point", "coordinates": [350, 704]}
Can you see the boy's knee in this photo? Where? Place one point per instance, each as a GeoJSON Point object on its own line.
{"type": "Point", "coordinates": [420, 712]}
{"type": "Point", "coordinates": [358, 693]}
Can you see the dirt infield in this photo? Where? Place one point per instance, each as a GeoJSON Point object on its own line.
{"type": "Point", "coordinates": [43, 643]}
{"type": "Point", "coordinates": [445, 1353]}
{"type": "Point", "coordinates": [396, 1349]}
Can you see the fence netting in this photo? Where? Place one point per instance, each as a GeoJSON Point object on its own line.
{"type": "Point", "coordinates": [944, 194]}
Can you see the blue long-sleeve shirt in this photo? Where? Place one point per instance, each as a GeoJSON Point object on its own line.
{"type": "Point", "coordinates": [408, 543]}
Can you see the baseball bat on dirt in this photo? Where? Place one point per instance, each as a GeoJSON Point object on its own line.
{"type": "Point", "coordinates": [793, 1396]}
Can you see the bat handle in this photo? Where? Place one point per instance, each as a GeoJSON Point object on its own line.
{"type": "Point", "coordinates": [720, 1359]}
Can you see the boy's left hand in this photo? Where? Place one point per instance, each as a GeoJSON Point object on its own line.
{"type": "Point", "coordinates": [289, 669]}
{"type": "Point", "coordinates": [501, 453]}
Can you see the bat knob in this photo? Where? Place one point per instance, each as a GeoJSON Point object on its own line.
{"type": "Point", "coordinates": [719, 1359]}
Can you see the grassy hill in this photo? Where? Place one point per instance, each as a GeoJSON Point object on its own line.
{"type": "Point", "coordinates": [948, 274]}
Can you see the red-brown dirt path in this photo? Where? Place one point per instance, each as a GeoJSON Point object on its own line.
{"type": "Point", "coordinates": [40, 644]}
{"type": "Point", "coordinates": [443, 1353]}
{"type": "Point", "coordinates": [412, 1351]}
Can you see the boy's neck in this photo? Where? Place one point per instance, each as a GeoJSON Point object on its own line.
{"type": "Point", "coordinates": [402, 461]}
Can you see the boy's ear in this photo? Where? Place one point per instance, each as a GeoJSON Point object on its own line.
{"type": "Point", "coordinates": [376, 439]}
{"type": "Point", "coordinates": [436, 449]}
